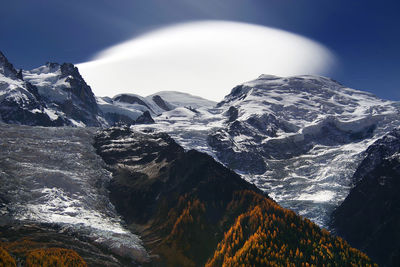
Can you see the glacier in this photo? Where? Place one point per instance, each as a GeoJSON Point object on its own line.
{"type": "Point", "coordinates": [299, 138]}
{"type": "Point", "coordinates": [54, 176]}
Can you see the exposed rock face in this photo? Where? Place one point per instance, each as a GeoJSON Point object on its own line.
{"type": "Point", "coordinates": [175, 99]}
{"type": "Point", "coordinates": [151, 168]}
{"type": "Point", "coordinates": [281, 118]}
{"type": "Point", "coordinates": [116, 119]}
{"type": "Point", "coordinates": [79, 87]}
{"type": "Point", "coordinates": [53, 176]}
{"type": "Point", "coordinates": [57, 95]}
{"type": "Point", "coordinates": [66, 93]}
{"type": "Point", "coordinates": [20, 101]}
{"type": "Point", "coordinates": [369, 218]}
{"type": "Point", "coordinates": [185, 203]}
{"type": "Point", "coordinates": [130, 99]}
{"type": "Point", "coordinates": [145, 118]}
{"type": "Point", "coordinates": [6, 68]}
{"type": "Point", "coordinates": [160, 102]}
{"type": "Point", "coordinates": [132, 109]}
{"type": "Point", "coordinates": [381, 150]}
{"type": "Point", "coordinates": [299, 138]}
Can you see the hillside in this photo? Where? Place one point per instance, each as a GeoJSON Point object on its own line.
{"type": "Point", "coordinates": [369, 216]}
{"type": "Point", "coordinates": [191, 210]}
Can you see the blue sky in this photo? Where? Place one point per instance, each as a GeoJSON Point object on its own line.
{"type": "Point", "coordinates": [363, 35]}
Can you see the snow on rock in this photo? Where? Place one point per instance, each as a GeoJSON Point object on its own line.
{"type": "Point", "coordinates": [109, 108]}
{"type": "Point", "coordinates": [310, 132]}
{"type": "Point", "coordinates": [138, 102]}
{"type": "Point", "coordinates": [20, 101]}
{"type": "Point", "coordinates": [53, 175]}
{"type": "Point", "coordinates": [48, 80]}
{"type": "Point", "coordinates": [66, 93]}
{"type": "Point", "coordinates": [128, 107]}
{"type": "Point", "coordinates": [298, 138]}
{"type": "Point", "coordinates": [180, 99]}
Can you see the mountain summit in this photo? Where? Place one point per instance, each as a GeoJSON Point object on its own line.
{"type": "Point", "coordinates": [298, 138]}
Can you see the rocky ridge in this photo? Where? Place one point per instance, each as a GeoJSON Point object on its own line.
{"type": "Point", "coordinates": [186, 207]}
{"type": "Point", "coordinates": [57, 95]}
{"type": "Point", "coordinates": [369, 216]}
{"type": "Point", "coordinates": [298, 138]}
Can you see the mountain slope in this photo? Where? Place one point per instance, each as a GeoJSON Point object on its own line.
{"type": "Point", "coordinates": [57, 95]}
{"type": "Point", "coordinates": [52, 176]}
{"type": "Point", "coordinates": [189, 207]}
{"type": "Point", "coordinates": [298, 138]}
{"type": "Point", "coordinates": [30, 244]}
{"type": "Point", "coordinates": [179, 99]}
{"type": "Point", "coordinates": [132, 109]}
{"type": "Point", "coordinates": [51, 95]}
{"type": "Point", "coordinates": [20, 101]}
{"type": "Point", "coordinates": [66, 93]}
{"type": "Point", "coordinates": [369, 217]}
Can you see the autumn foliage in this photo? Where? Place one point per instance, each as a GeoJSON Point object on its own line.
{"type": "Point", "coordinates": [252, 230]}
{"type": "Point", "coordinates": [268, 235]}
{"type": "Point", "coordinates": [5, 259]}
{"type": "Point", "coordinates": [54, 257]}
{"type": "Point", "coordinates": [186, 231]}
{"type": "Point", "coordinates": [33, 254]}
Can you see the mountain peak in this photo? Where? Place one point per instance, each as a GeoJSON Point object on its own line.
{"type": "Point", "coordinates": [267, 77]}
{"type": "Point", "coordinates": [70, 69]}
{"type": "Point", "coordinates": [64, 89]}
{"type": "Point", "coordinates": [3, 58]}
{"type": "Point", "coordinates": [7, 69]}
{"type": "Point", "coordinates": [180, 99]}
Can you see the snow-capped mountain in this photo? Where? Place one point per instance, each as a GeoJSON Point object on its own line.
{"type": "Point", "coordinates": [179, 99]}
{"type": "Point", "coordinates": [51, 95]}
{"type": "Point", "coordinates": [132, 109]}
{"type": "Point", "coordinates": [127, 108]}
{"type": "Point", "coordinates": [94, 191]}
{"type": "Point", "coordinates": [20, 101]}
{"type": "Point", "coordinates": [298, 138]}
{"type": "Point", "coordinates": [66, 93]}
{"type": "Point", "coordinates": [184, 203]}
{"type": "Point", "coordinates": [57, 95]}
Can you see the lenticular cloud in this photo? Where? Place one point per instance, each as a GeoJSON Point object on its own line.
{"type": "Point", "coordinates": [205, 58]}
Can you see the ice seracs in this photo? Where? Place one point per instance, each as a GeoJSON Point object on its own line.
{"type": "Point", "coordinates": [54, 176]}
{"type": "Point", "coordinates": [309, 132]}
{"type": "Point", "coordinates": [298, 138]}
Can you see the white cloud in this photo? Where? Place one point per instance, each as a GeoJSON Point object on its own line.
{"type": "Point", "coordinates": [205, 58]}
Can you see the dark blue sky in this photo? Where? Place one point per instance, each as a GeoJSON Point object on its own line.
{"type": "Point", "coordinates": [364, 35]}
